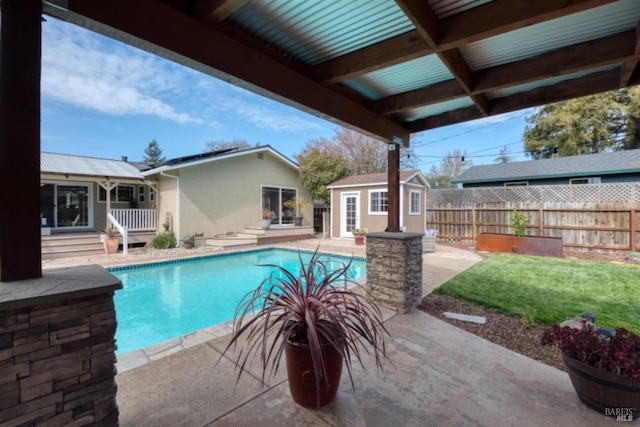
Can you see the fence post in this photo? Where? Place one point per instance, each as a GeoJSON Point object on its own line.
{"type": "Point", "coordinates": [633, 229]}
{"type": "Point", "coordinates": [541, 222]}
{"type": "Point", "coordinates": [473, 225]}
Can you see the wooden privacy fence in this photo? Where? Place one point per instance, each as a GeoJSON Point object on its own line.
{"type": "Point", "coordinates": [606, 219]}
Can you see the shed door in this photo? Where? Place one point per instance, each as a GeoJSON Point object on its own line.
{"type": "Point", "coordinates": [350, 217]}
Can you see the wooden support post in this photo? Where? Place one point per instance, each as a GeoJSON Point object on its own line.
{"type": "Point", "coordinates": [541, 222]}
{"type": "Point", "coordinates": [393, 188]}
{"type": "Point", "coordinates": [474, 232]}
{"type": "Point", "coordinates": [20, 51]}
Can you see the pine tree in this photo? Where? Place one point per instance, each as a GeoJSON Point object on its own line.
{"type": "Point", "coordinates": [153, 153]}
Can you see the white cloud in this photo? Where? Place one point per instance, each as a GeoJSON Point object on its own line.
{"type": "Point", "coordinates": [78, 69]}
{"type": "Point", "coordinates": [90, 71]}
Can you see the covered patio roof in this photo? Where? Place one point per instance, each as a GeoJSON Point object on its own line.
{"type": "Point", "coordinates": [387, 68]}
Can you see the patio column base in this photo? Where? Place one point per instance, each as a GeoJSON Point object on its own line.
{"type": "Point", "coordinates": [394, 269]}
{"type": "Point", "coordinates": [57, 349]}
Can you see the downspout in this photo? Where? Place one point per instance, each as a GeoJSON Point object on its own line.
{"type": "Point", "coordinates": [401, 206]}
{"type": "Point", "coordinates": [177, 220]}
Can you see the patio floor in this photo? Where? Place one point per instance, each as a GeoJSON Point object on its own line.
{"type": "Point", "coordinates": [438, 375]}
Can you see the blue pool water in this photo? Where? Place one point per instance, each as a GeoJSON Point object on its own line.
{"type": "Point", "coordinates": [169, 299]}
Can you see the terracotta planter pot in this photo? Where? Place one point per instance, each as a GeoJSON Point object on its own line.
{"type": "Point", "coordinates": [302, 381]}
{"type": "Point", "coordinates": [110, 245]}
{"type": "Point", "coordinates": [359, 240]}
{"type": "Point", "coordinates": [607, 393]}
{"type": "Point", "coordinates": [528, 245]}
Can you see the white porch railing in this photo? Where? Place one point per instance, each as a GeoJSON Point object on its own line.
{"type": "Point", "coordinates": [135, 219]}
{"type": "Point", "coordinates": [123, 230]}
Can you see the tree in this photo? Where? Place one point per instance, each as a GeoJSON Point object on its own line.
{"type": "Point", "coordinates": [319, 169]}
{"type": "Point", "coordinates": [238, 143]}
{"type": "Point", "coordinates": [451, 166]}
{"type": "Point", "coordinates": [153, 153]}
{"type": "Point", "coordinates": [591, 124]}
{"type": "Point", "coordinates": [504, 156]}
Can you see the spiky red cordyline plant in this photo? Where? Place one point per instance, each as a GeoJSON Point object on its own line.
{"type": "Point", "coordinates": [314, 307]}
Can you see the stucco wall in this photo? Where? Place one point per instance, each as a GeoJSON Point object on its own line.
{"type": "Point", "coordinates": [225, 195]}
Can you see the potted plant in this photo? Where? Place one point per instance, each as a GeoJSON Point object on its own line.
{"type": "Point", "coordinates": [267, 217]}
{"type": "Point", "coordinates": [109, 240]}
{"type": "Point", "coordinates": [188, 241]}
{"type": "Point", "coordinates": [316, 320]}
{"type": "Point", "coordinates": [296, 205]}
{"type": "Point", "coordinates": [358, 236]}
{"type": "Point", "coordinates": [603, 365]}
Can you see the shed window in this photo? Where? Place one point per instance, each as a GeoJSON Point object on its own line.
{"type": "Point", "coordinates": [378, 201]}
{"type": "Point", "coordinates": [414, 202]}
{"type": "Point", "coordinates": [517, 184]}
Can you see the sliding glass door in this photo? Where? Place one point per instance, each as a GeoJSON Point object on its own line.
{"type": "Point", "coordinates": [66, 206]}
{"type": "Point", "coordinates": [273, 199]}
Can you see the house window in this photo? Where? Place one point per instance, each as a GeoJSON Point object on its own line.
{"type": "Point", "coordinates": [152, 195]}
{"type": "Point", "coordinates": [378, 201]}
{"type": "Point", "coordinates": [516, 184]}
{"type": "Point", "coordinates": [119, 194]}
{"type": "Point", "coordinates": [414, 202]}
{"type": "Point", "coordinates": [141, 193]}
{"type": "Point", "coordinates": [592, 180]}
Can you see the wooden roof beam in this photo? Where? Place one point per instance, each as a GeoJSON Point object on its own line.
{"type": "Point", "coordinates": [630, 66]}
{"type": "Point", "coordinates": [214, 11]}
{"type": "Point", "coordinates": [384, 54]}
{"type": "Point", "coordinates": [501, 16]}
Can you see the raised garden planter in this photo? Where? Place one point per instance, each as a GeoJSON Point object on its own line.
{"type": "Point", "coordinates": [528, 245]}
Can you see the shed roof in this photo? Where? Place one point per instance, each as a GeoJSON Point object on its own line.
{"type": "Point", "coordinates": [616, 162]}
{"type": "Point", "coordinates": [376, 179]}
{"type": "Point", "coordinates": [69, 164]}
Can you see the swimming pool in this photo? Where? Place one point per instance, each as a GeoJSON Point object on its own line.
{"type": "Point", "coordinates": [168, 299]}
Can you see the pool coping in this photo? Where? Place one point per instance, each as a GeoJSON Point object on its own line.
{"type": "Point", "coordinates": [137, 358]}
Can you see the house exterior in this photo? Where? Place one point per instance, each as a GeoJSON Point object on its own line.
{"type": "Point", "coordinates": [360, 202]}
{"type": "Point", "coordinates": [225, 191]}
{"type": "Point", "coordinates": [76, 192]}
{"type": "Point", "coordinates": [617, 166]}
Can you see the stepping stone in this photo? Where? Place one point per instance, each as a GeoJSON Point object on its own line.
{"type": "Point", "coordinates": [465, 317]}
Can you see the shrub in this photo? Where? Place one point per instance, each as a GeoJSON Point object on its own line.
{"type": "Point", "coordinates": [619, 354]}
{"type": "Point", "coordinates": [519, 222]}
{"type": "Point", "coordinates": [164, 240]}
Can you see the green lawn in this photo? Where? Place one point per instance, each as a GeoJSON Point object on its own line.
{"type": "Point", "coordinates": [550, 290]}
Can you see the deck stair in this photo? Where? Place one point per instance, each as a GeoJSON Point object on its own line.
{"type": "Point", "coordinates": [82, 244]}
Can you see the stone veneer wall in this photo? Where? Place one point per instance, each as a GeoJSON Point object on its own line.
{"type": "Point", "coordinates": [394, 269]}
{"type": "Point", "coordinates": [57, 355]}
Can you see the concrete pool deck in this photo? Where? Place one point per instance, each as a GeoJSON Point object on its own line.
{"type": "Point", "coordinates": [440, 375]}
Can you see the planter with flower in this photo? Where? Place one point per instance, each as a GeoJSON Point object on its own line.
{"type": "Point", "coordinates": [603, 365]}
{"type": "Point", "coordinates": [188, 242]}
{"type": "Point", "coordinates": [267, 217]}
{"type": "Point", "coordinates": [296, 205]}
{"type": "Point", "coordinates": [519, 242]}
{"type": "Point", "coordinates": [317, 318]}
{"type": "Point", "coordinates": [358, 236]}
{"type": "Point", "coordinates": [110, 242]}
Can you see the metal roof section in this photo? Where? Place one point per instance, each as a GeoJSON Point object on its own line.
{"type": "Point", "coordinates": [67, 164]}
{"type": "Point", "coordinates": [547, 36]}
{"type": "Point", "coordinates": [444, 8]}
{"type": "Point", "coordinates": [313, 33]}
{"type": "Point", "coordinates": [435, 109]}
{"type": "Point", "coordinates": [400, 78]}
{"type": "Point", "coordinates": [627, 161]}
{"type": "Point", "coordinates": [546, 82]}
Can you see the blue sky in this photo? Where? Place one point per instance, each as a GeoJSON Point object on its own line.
{"type": "Point", "coordinates": [102, 98]}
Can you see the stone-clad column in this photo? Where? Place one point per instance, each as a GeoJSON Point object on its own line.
{"type": "Point", "coordinates": [394, 269]}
